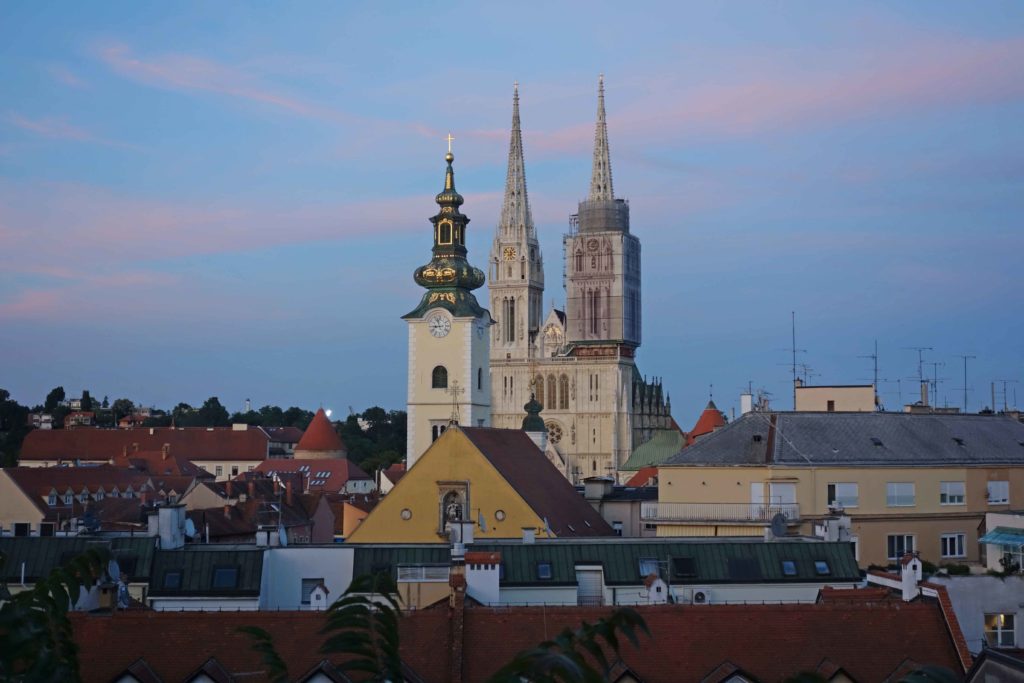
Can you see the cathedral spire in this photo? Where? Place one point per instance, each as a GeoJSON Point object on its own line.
{"type": "Point", "coordinates": [601, 178]}
{"type": "Point", "coordinates": [516, 218]}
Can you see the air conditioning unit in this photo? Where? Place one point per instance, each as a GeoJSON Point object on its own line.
{"type": "Point", "coordinates": [699, 597]}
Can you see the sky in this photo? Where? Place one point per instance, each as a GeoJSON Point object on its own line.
{"type": "Point", "coordinates": [229, 199]}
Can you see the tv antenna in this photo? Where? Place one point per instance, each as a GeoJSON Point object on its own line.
{"type": "Point", "coordinates": [920, 359]}
{"type": "Point", "coordinates": [1006, 406]}
{"type": "Point", "coordinates": [936, 379]}
{"type": "Point", "coordinates": [966, 357]}
{"type": "Point", "coordinates": [794, 350]}
{"type": "Point", "coordinates": [874, 358]}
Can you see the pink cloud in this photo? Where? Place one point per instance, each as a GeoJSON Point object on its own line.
{"type": "Point", "coordinates": [59, 129]}
{"type": "Point", "coordinates": [32, 303]}
{"type": "Point", "coordinates": [774, 94]}
{"type": "Point", "coordinates": [189, 73]}
{"type": "Point", "coordinates": [66, 76]}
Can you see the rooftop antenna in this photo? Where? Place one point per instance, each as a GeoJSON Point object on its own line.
{"type": "Point", "coordinates": [794, 350]}
{"type": "Point", "coordinates": [1006, 406]}
{"type": "Point", "coordinates": [874, 357]}
{"type": "Point", "coordinates": [966, 357]}
{"type": "Point", "coordinates": [936, 379]}
{"type": "Point", "coordinates": [920, 359]}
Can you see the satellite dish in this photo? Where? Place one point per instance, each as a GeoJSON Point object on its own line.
{"type": "Point", "coordinates": [282, 536]}
{"type": "Point", "coordinates": [190, 528]}
{"type": "Point", "coordinates": [113, 570]}
{"type": "Point", "coordinates": [779, 525]}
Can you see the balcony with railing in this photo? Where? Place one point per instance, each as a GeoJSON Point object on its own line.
{"type": "Point", "coordinates": [738, 513]}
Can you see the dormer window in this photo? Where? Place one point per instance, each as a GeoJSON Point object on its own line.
{"type": "Point", "coordinates": [68, 498]}
{"type": "Point", "coordinates": [52, 499]}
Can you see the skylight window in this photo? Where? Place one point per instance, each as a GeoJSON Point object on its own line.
{"type": "Point", "coordinates": [225, 577]}
{"type": "Point", "coordinates": [875, 440]}
{"type": "Point", "coordinates": [788, 568]}
{"type": "Point", "coordinates": [821, 568]}
{"type": "Point", "coordinates": [648, 566]}
{"type": "Point", "coordinates": [544, 571]}
{"type": "Point", "coordinates": [172, 580]}
{"type": "Point", "coordinates": [959, 441]}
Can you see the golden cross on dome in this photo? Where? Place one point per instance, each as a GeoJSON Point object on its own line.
{"type": "Point", "coordinates": [450, 138]}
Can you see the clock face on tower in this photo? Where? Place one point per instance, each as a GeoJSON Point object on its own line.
{"type": "Point", "coordinates": [510, 253]}
{"type": "Point", "coordinates": [439, 325]}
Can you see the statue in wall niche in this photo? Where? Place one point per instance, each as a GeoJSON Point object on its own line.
{"type": "Point", "coordinates": [452, 507]}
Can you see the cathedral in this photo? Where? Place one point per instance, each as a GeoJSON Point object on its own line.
{"type": "Point", "coordinates": [580, 363]}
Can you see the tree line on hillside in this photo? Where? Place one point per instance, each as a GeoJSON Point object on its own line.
{"type": "Point", "coordinates": [380, 444]}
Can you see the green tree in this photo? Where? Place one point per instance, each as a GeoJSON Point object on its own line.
{"type": "Point", "coordinates": [106, 403]}
{"type": "Point", "coordinates": [53, 399]}
{"type": "Point", "coordinates": [86, 400]}
{"type": "Point", "coordinates": [36, 638]}
{"type": "Point", "coordinates": [121, 408]}
{"type": "Point", "coordinates": [13, 428]}
{"type": "Point", "coordinates": [250, 418]}
{"type": "Point", "coordinates": [213, 414]}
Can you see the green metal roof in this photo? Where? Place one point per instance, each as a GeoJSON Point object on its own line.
{"type": "Point", "coordinates": [42, 555]}
{"type": "Point", "coordinates": [196, 567]}
{"type": "Point", "coordinates": [687, 562]}
{"type": "Point", "coordinates": [1003, 535]}
{"type": "Point", "coordinates": [663, 445]}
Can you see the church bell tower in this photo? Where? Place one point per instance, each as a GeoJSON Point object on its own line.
{"type": "Point", "coordinates": [449, 374]}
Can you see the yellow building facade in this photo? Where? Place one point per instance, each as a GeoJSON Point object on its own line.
{"type": "Point", "coordinates": [903, 490]}
{"type": "Point", "coordinates": [495, 479]}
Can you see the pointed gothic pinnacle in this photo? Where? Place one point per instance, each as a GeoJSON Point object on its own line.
{"type": "Point", "coordinates": [601, 178]}
{"type": "Point", "coordinates": [515, 210]}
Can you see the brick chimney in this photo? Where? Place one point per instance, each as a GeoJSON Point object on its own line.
{"type": "Point", "coordinates": [166, 450]}
{"type": "Point", "coordinates": [456, 619]}
{"type": "Point", "coordinates": [229, 489]}
{"type": "Point", "coordinates": [252, 488]}
{"type": "Point", "coordinates": [227, 512]}
{"type": "Point", "coordinates": [288, 492]}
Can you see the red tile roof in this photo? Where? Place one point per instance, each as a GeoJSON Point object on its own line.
{"type": "Point", "coordinates": [709, 420]}
{"type": "Point", "coordinates": [868, 641]}
{"type": "Point", "coordinates": [328, 474]}
{"type": "Point", "coordinates": [395, 472]}
{"type": "Point", "coordinates": [531, 474]}
{"type": "Point", "coordinates": [644, 476]}
{"type": "Point", "coordinates": [193, 443]}
{"type": "Point", "coordinates": [160, 462]}
{"type": "Point", "coordinates": [320, 435]}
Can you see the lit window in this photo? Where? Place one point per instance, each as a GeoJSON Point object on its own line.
{"type": "Point", "coordinates": [843, 495]}
{"type": "Point", "coordinates": [899, 494]}
{"type": "Point", "coordinates": [952, 545]}
{"type": "Point", "coordinates": [544, 570]}
{"type": "Point", "coordinates": [788, 568]}
{"type": "Point", "coordinates": [899, 545]}
{"type": "Point", "coordinates": [951, 493]}
{"type": "Point", "coordinates": [998, 492]}
{"type": "Point", "coordinates": [999, 630]}
{"type": "Point", "coordinates": [821, 568]}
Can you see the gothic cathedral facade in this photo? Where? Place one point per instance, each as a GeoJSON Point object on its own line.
{"type": "Point", "coordinates": [580, 363]}
{"type": "Point", "coordinates": [449, 380]}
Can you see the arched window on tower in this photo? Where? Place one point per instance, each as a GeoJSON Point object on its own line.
{"type": "Point", "coordinates": [552, 392]}
{"type": "Point", "coordinates": [538, 389]}
{"type": "Point", "coordinates": [445, 233]}
{"type": "Point", "coordinates": [579, 261]}
{"type": "Point", "coordinates": [479, 378]}
{"type": "Point", "coordinates": [439, 378]}
{"type": "Point", "coordinates": [563, 392]}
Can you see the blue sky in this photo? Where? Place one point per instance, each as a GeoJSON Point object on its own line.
{"type": "Point", "coordinates": [229, 199]}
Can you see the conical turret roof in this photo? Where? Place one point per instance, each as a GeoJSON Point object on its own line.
{"type": "Point", "coordinates": [320, 435]}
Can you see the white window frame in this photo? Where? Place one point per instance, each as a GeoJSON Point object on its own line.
{"type": "Point", "coordinates": [997, 630]}
{"type": "Point", "coordinates": [906, 547]}
{"type": "Point", "coordinates": [959, 541]}
{"type": "Point", "coordinates": [948, 494]}
{"type": "Point", "coordinates": [1004, 497]}
{"type": "Point", "coordinates": [893, 497]}
{"type": "Point", "coordinates": [839, 498]}
{"type": "Point", "coordinates": [51, 500]}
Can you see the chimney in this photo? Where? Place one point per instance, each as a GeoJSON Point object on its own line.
{"type": "Point", "coordinates": [124, 451]}
{"type": "Point", "coordinates": [910, 576]}
{"type": "Point", "coordinates": [166, 450]}
{"type": "Point", "coordinates": [529, 535]}
{"type": "Point", "coordinates": [252, 488]}
{"type": "Point", "coordinates": [227, 512]}
{"type": "Point", "coordinates": [229, 490]}
{"type": "Point", "coordinates": [457, 618]}
{"type": "Point", "coordinates": [924, 392]}
{"type": "Point", "coordinates": [288, 492]}
{"type": "Point", "coordinates": [746, 403]}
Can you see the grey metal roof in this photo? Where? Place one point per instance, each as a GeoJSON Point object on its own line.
{"type": "Point", "coordinates": [705, 561]}
{"type": "Point", "coordinates": [861, 439]}
{"type": "Point", "coordinates": [41, 555]}
{"type": "Point", "coordinates": [197, 566]}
